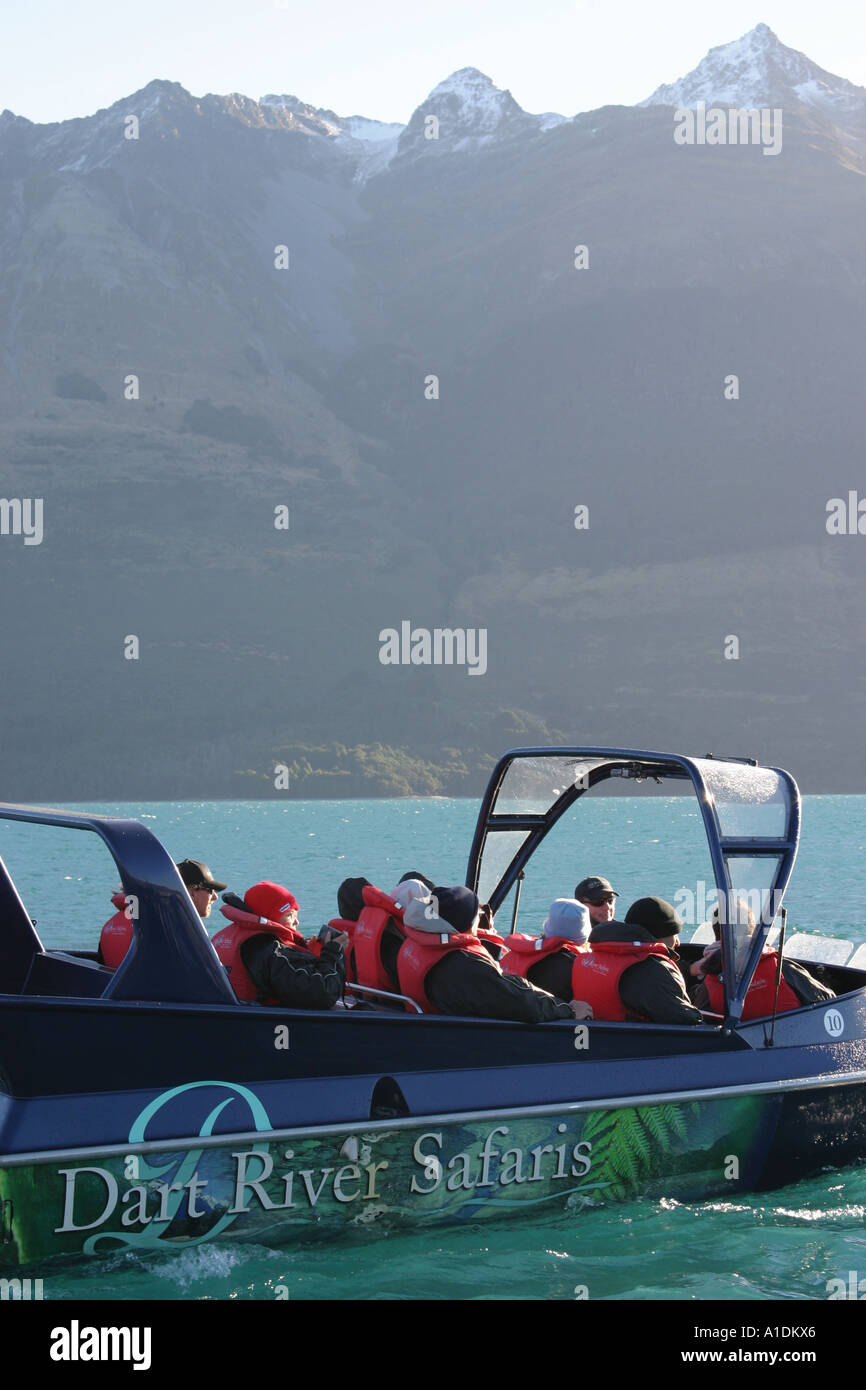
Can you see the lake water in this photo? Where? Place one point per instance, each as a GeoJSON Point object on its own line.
{"type": "Point", "coordinates": [786, 1244]}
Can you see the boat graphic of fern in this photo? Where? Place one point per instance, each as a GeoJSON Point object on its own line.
{"type": "Point", "coordinates": [631, 1145]}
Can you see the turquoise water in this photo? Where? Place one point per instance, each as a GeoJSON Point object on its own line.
{"type": "Point", "coordinates": [643, 845]}
{"type": "Point", "coordinates": [785, 1244]}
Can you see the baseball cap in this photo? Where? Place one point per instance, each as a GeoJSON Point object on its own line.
{"type": "Point", "coordinates": [195, 874]}
{"type": "Point", "coordinates": [455, 908]}
{"type": "Point", "coordinates": [594, 889]}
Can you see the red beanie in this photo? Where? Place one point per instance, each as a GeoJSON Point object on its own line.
{"type": "Point", "coordinates": [270, 900]}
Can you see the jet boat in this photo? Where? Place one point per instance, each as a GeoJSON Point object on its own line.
{"type": "Point", "coordinates": [144, 1108]}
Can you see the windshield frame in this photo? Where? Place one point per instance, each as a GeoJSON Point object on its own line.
{"type": "Point", "coordinates": [638, 765]}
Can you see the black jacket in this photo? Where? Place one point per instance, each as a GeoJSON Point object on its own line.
{"type": "Point", "coordinates": [461, 983]}
{"type": "Point", "coordinates": [297, 980]}
{"type": "Point", "coordinates": [655, 989]}
{"type": "Point", "coordinates": [652, 988]}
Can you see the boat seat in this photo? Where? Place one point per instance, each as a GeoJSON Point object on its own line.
{"type": "Point", "coordinates": [817, 950]}
{"type": "Point", "coordinates": [56, 974]}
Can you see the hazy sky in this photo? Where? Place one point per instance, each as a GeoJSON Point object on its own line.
{"type": "Point", "coordinates": [380, 58]}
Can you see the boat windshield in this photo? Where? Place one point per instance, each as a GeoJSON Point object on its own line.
{"type": "Point", "coordinates": [746, 817]}
{"type": "Point", "coordinates": [748, 801]}
{"type": "Point", "coordinates": [533, 784]}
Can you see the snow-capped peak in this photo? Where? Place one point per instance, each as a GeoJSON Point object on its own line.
{"type": "Point", "coordinates": [471, 104]}
{"type": "Point", "coordinates": [470, 111]}
{"type": "Point", "coordinates": [758, 70]}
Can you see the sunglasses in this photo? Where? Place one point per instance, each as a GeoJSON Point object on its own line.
{"type": "Point", "coordinates": [607, 898]}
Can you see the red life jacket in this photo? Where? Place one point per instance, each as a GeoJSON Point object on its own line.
{"type": "Point", "coordinates": [422, 950]}
{"type": "Point", "coordinates": [596, 975]}
{"type": "Point", "coordinates": [116, 937]}
{"type": "Point", "coordinates": [525, 951]}
{"type": "Point", "coordinates": [228, 942]}
{"type": "Point", "coordinates": [759, 996]}
{"type": "Point", "coordinates": [377, 912]}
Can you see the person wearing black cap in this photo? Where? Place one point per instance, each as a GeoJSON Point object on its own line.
{"type": "Point", "coordinates": [201, 885]}
{"type": "Point", "coordinates": [444, 966]}
{"type": "Point", "coordinates": [598, 897]}
{"type": "Point", "coordinates": [116, 937]}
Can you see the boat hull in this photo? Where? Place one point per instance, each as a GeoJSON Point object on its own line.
{"type": "Point", "coordinates": [276, 1187]}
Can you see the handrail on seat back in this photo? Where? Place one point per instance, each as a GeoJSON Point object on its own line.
{"type": "Point", "coordinates": [384, 994]}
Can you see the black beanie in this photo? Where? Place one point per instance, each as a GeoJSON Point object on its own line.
{"type": "Point", "coordinates": [655, 915]}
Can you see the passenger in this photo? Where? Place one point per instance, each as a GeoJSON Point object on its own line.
{"type": "Point", "coordinates": [796, 986]}
{"type": "Point", "coordinates": [378, 937]}
{"type": "Point", "coordinates": [599, 898]}
{"type": "Point", "coordinates": [447, 970]}
{"type": "Point", "coordinates": [267, 958]}
{"type": "Point", "coordinates": [350, 902]}
{"type": "Point", "coordinates": [549, 960]}
{"type": "Point", "coordinates": [201, 885]}
{"type": "Point", "coordinates": [409, 888]}
{"type": "Point", "coordinates": [634, 978]}
{"type": "Point", "coordinates": [420, 887]}
{"type": "Point", "coordinates": [116, 937]}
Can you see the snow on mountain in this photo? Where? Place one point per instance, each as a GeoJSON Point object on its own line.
{"type": "Point", "coordinates": [313, 119]}
{"type": "Point", "coordinates": [361, 128]}
{"type": "Point", "coordinates": [470, 111]}
{"type": "Point", "coordinates": [472, 103]}
{"type": "Point", "coordinates": [372, 132]}
{"type": "Point", "coordinates": [758, 70]}
{"type": "Point", "coordinates": [370, 143]}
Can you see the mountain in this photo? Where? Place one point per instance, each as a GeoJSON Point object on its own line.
{"type": "Point", "coordinates": [463, 113]}
{"type": "Point", "coordinates": [467, 112]}
{"type": "Point", "coordinates": [255, 306]}
{"type": "Point", "coordinates": [371, 144]}
{"type": "Point", "coordinates": [758, 70]}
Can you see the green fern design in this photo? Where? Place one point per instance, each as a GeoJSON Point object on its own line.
{"type": "Point", "coordinates": [626, 1143]}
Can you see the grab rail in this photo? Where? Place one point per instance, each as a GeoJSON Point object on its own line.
{"type": "Point", "coordinates": [384, 994]}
